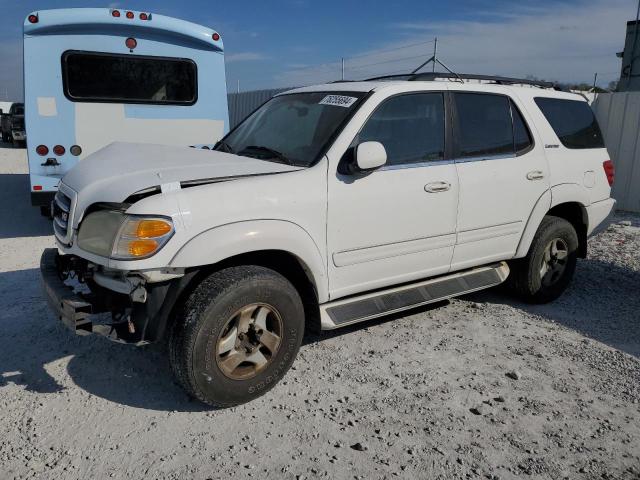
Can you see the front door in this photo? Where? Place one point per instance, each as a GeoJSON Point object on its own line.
{"type": "Point", "coordinates": [503, 173]}
{"type": "Point", "coordinates": [395, 224]}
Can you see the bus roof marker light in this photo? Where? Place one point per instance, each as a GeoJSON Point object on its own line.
{"type": "Point", "coordinates": [33, 18]}
{"type": "Point", "coordinates": [131, 43]}
{"type": "Point", "coordinates": [130, 15]}
{"type": "Point", "coordinates": [115, 13]}
{"type": "Point", "coordinates": [144, 16]}
{"type": "Point", "coordinates": [216, 37]}
{"type": "Point", "coordinates": [59, 150]}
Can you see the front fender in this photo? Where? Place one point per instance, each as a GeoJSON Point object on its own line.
{"type": "Point", "coordinates": [226, 241]}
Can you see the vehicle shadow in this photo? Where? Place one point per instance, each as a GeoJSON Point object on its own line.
{"type": "Point", "coordinates": [602, 303]}
{"type": "Point", "coordinates": [17, 216]}
{"type": "Point", "coordinates": [34, 345]}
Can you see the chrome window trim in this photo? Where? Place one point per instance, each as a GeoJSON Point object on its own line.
{"type": "Point", "coordinates": [403, 166]}
{"type": "Point", "coordinates": [484, 158]}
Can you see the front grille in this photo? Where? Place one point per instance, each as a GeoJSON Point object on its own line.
{"type": "Point", "coordinates": [62, 216]}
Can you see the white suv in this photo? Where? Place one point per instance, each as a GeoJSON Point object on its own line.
{"type": "Point", "coordinates": [329, 205]}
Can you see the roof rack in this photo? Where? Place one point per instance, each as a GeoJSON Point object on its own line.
{"type": "Point", "coordinates": [432, 76]}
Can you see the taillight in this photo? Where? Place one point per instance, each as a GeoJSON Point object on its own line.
{"type": "Point", "coordinates": [37, 188]}
{"type": "Point", "coordinates": [42, 150]}
{"type": "Point", "coordinates": [115, 13]}
{"type": "Point", "coordinates": [33, 18]}
{"type": "Point", "coordinates": [130, 15]}
{"type": "Point", "coordinates": [59, 150]}
{"type": "Point", "coordinates": [216, 37]}
{"type": "Point", "coordinates": [75, 150]}
{"type": "Point", "coordinates": [610, 171]}
{"type": "Point", "coordinates": [131, 43]}
{"type": "Point", "coordinates": [144, 16]}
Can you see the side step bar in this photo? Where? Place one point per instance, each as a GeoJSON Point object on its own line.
{"type": "Point", "coordinates": [372, 305]}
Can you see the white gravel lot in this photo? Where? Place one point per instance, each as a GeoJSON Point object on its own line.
{"type": "Point", "coordinates": [423, 395]}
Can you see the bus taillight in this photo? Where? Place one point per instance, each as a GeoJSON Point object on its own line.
{"type": "Point", "coordinates": [33, 18]}
{"type": "Point", "coordinates": [115, 13]}
{"type": "Point", "coordinates": [75, 150]}
{"type": "Point", "coordinates": [59, 150]}
{"type": "Point", "coordinates": [130, 15]}
{"type": "Point", "coordinates": [216, 37]}
{"type": "Point", "coordinates": [131, 43]}
{"type": "Point", "coordinates": [144, 16]}
{"type": "Point", "coordinates": [42, 150]}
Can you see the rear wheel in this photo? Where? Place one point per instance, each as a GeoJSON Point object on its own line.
{"type": "Point", "coordinates": [236, 335]}
{"type": "Point", "coordinates": [546, 272]}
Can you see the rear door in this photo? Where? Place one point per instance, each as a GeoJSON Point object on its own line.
{"type": "Point", "coordinates": [503, 172]}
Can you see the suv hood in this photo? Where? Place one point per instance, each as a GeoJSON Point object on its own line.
{"type": "Point", "coordinates": [119, 170]}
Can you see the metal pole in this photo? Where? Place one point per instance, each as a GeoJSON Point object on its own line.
{"type": "Point", "coordinates": [635, 41]}
{"type": "Point", "coordinates": [435, 53]}
{"type": "Point", "coordinates": [595, 81]}
{"type": "Point", "coordinates": [342, 68]}
{"type": "Point", "coordinates": [238, 86]}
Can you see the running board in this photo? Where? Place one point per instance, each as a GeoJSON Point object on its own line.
{"type": "Point", "coordinates": [372, 305]}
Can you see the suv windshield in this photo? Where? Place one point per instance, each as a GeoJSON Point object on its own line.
{"type": "Point", "coordinates": [291, 128]}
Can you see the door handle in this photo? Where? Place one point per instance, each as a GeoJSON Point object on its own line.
{"type": "Point", "coordinates": [535, 175]}
{"type": "Point", "coordinates": [437, 187]}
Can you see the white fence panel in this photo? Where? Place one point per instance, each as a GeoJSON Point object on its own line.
{"type": "Point", "coordinates": [619, 117]}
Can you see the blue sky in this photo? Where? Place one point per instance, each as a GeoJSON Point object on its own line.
{"type": "Point", "coordinates": [294, 42]}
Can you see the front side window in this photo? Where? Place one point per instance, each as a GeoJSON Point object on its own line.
{"type": "Point", "coordinates": [411, 128]}
{"type": "Point", "coordinates": [573, 121]}
{"type": "Point", "coordinates": [293, 128]}
{"type": "Point", "coordinates": [484, 126]}
{"type": "Point", "coordinates": [102, 77]}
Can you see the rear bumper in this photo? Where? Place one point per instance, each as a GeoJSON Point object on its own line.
{"type": "Point", "coordinates": [42, 199]}
{"type": "Point", "coordinates": [600, 215]}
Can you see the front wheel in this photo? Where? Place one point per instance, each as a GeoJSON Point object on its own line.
{"type": "Point", "coordinates": [546, 272]}
{"type": "Point", "coordinates": [236, 335]}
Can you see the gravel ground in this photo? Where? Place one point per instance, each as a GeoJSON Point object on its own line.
{"type": "Point", "coordinates": [479, 387]}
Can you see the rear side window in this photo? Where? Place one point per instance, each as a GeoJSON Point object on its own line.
{"type": "Point", "coordinates": [102, 77]}
{"type": "Point", "coordinates": [484, 126]}
{"type": "Point", "coordinates": [573, 121]}
{"type": "Point", "coordinates": [521, 135]}
{"type": "Point", "coordinates": [411, 128]}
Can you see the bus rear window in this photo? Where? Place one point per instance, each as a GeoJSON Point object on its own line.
{"type": "Point", "coordinates": [573, 121]}
{"type": "Point", "coordinates": [104, 77]}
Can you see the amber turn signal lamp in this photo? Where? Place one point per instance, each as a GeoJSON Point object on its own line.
{"type": "Point", "coordinates": [142, 248]}
{"type": "Point", "coordinates": [152, 229]}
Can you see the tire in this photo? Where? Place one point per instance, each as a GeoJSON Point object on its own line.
{"type": "Point", "coordinates": [235, 316]}
{"type": "Point", "coordinates": [547, 270]}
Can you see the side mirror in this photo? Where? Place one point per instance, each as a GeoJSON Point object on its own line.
{"type": "Point", "coordinates": [370, 155]}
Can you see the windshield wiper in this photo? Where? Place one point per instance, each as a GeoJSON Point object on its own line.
{"type": "Point", "coordinates": [270, 152]}
{"type": "Point", "coordinates": [225, 147]}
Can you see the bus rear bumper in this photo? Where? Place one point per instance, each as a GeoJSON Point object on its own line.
{"type": "Point", "coordinates": [42, 199]}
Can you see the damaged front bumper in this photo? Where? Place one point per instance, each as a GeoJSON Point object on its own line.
{"type": "Point", "coordinates": [88, 312]}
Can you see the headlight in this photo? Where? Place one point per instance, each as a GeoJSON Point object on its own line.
{"type": "Point", "coordinates": [113, 234]}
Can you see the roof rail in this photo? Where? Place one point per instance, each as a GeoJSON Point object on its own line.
{"type": "Point", "coordinates": [432, 76]}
